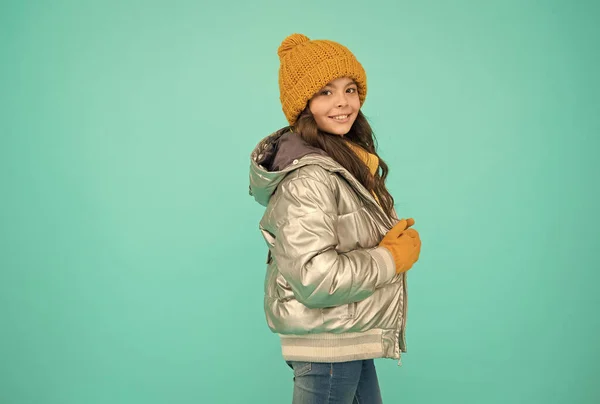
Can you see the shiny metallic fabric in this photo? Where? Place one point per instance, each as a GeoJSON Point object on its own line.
{"type": "Point", "coordinates": [326, 278]}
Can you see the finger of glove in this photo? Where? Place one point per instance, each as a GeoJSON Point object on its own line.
{"type": "Point", "coordinates": [412, 258]}
{"type": "Point", "coordinates": [417, 253]}
{"type": "Point", "coordinates": [402, 242]}
{"type": "Point", "coordinates": [417, 257]}
{"type": "Point", "coordinates": [397, 229]}
{"type": "Point", "coordinates": [406, 239]}
{"type": "Point", "coordinates": [411, 232]}
{"type": "Point", "coordinates": [418, 239]}
{"type": "Point", "coordinates": [410, 222]}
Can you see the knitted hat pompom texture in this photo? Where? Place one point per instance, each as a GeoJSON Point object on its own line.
{"type": "Point", "coordinates": [308, 65]}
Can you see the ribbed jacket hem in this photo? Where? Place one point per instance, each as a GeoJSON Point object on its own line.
{"type": "Point", "coordinates": [328, 347]}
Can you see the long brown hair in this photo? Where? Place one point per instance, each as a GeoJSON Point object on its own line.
{"type": "Point", "coordinates": [335, 146]}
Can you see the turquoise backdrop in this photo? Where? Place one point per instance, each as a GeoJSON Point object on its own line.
{"type": "Point", "coordinates": [131, 265]}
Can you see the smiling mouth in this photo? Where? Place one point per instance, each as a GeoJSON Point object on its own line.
{"type": "Point", "coordinates": [340, 117]}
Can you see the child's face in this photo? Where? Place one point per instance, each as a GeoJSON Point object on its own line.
{"type": "Point", "coordinates": [338, 98]}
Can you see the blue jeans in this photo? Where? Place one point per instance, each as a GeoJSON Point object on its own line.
{"type": "Point", "coordinates": [353, 382]}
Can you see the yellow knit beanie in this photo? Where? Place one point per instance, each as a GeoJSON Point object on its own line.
{"type": "Point", "coordinates": [306, 66]}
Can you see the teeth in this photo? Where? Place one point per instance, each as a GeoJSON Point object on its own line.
{"type": "Point", "coordinates": [340, 117]}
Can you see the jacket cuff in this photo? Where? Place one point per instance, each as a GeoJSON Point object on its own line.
{"type": "Point", "coordinates": [385, 263]}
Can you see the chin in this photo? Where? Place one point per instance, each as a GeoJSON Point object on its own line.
{"type": "Point", "coordinates": [340, 131]}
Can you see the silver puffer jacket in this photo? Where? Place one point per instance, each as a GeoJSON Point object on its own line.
{"type": "Point", "coordinates": [325, 271]}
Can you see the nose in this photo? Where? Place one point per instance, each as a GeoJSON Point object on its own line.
{"type": "Point", "coordinates": [342, 101]}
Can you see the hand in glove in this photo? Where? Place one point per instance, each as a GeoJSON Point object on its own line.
{"type": "Point", "coordinates": [404, 244]}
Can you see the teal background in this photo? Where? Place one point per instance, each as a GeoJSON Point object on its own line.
{"type": "Point", "coordinates": [131, 261]}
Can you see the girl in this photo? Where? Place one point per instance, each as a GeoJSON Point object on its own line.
{"type": "Point", "coordinates": [335, 287]}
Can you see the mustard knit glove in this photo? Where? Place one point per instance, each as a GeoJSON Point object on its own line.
{"type": "Point", "coordinates": [404, 244]}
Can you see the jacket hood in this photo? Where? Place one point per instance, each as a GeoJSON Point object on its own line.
{"type": "Point", "coordinates": [273, 158]}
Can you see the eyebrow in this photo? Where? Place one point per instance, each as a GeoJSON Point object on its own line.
{"type": "Point", "coordinates": [349, 84]}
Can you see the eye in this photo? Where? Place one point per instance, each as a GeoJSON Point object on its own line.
{"type": "Point", "coordinates": [324, 92]}
{"type": "Point", "coordinates": [352, 89]}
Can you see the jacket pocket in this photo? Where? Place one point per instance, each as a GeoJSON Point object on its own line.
{"type": "Point", "coordinates": [335, 313]}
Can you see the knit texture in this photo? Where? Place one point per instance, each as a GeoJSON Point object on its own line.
{"type": "Point", "coordinates": [371, 160]}
{"type": "Point", "coordinates": [308, 65]}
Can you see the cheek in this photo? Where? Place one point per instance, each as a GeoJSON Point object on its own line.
{"type": "Point", "coordinates": [319, 111]}
{"type": "Point", "coordinates": [321, 120]}
{"type": "Point", "coordinates": [317, 108]}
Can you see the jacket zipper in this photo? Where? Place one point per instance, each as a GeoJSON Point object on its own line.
{"type": "Point", "coordinates": [402, 336]}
